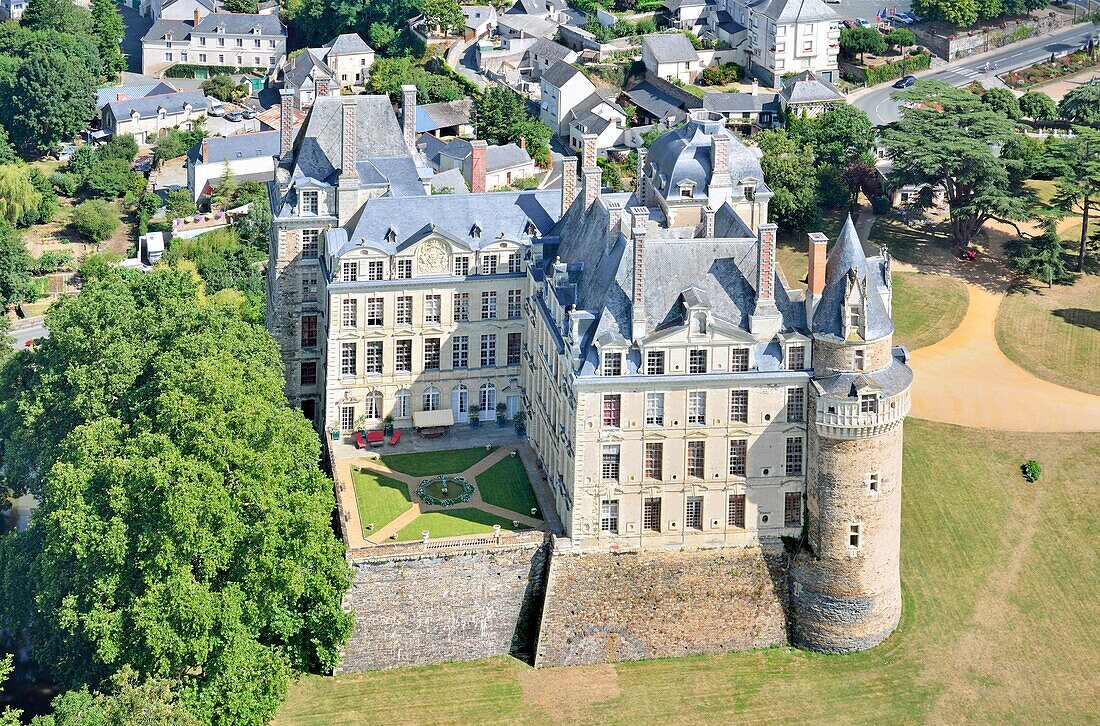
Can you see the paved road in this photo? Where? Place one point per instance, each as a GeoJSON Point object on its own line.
{"type": "Point", "coordinates": [882, 109]}
{"type": "Point", "coordinates": [22, 335]}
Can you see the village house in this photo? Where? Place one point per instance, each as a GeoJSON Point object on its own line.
{"type": "Point", "coordinates": [148, 119]}
{"type": "Point", "coordinates": [807, 95]}
{"type": "Point", "coordinates": [783, 36]}
{"type": "Point", "coordinates": [246, 157]}
{"type": "Point", "coordinates": [746, 113]}
{"type": "Point", "coordinates": [230, 40]}
{"type": "Point", "coordinates": [671, 56]}
{"type": "Point", "coordinates": [563, 88]}
{"type": "Point", "coordinates": [486, 167]}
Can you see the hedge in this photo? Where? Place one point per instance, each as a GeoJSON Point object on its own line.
{"type": "Point", "coordinates": [897, 69]}
{"type": "Point", "coordinates": [188, 70]}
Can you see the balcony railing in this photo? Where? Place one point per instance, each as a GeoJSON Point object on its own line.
{"type": "Point", "coordinates": [850, 423]}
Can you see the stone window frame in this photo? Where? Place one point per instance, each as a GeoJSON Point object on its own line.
{"type": "Point", "coordinates": [372, 357]}
{"type": "Point", "coordinates": [489, 350]}
{"type": "Point", "coordinates": [609, 516]}
{"type": "Point", "coordinates": [349, 355]}
{"type": "Point", "coordinates": [462, 265]}
{"type": "Point", "coordinates": [403, 268]}
{"type": "Point", "coordinates": [796, 404]}
{"type": "Point", "coordinates": [794, 456]}
{"type": "Point", "coordinates": [655, 362]}
{"type": "Point", "coordinates": [460, 352]}
{"type": "Point", "coordinates": [868, 403]}
{"type": "Point", "coordinates": [695, 458]}
{"type": "Point", "coordinates": [403, 310]}
{"type": "Point", "coordinates": [697, 360]}
{"type": "Point", "coordinates": [697, 408]}
{"type": "Point", "coordinates": [432, 349]}
{"type": "Point", "coordinates": [740, 359]}
{"type": "Point", "coordinates": [859, 359]}
{"type": "Point", "coordinates": [651, 515]}
{"type": "Point", "coordinates": [653, 461]}
{"type": "Point", "coordinates": [655, 414]}
{"type": "Point", "coordinates": [796, 351]}
{"type": "Point", "coordinates": [433, 309]}
{"type": "Point", "coordinates": [376, 270]}
{"type": "Point", "coordinates": [349, 313]}
{"type": "Point", "coordinates": [462, 307]}
{"type": "Point", "coordinates": [739, 457]}
{"type": "Point", "coordinates": [610, 462]}
{"type": "Point", "coordinates": [374, 310]}
{"type": "Point", "coordinates": [402, 355]}
{"type": "Point", "coordinates": [693, 513]}
{"type": "Point", "coordinates": [607, 368]}
{"type": "Point", "coordinates": [792, 514]}
{"type": "Point", "coordinates": [873, 481]}
{"type": "Point", "coordinates": [515, 348]}
{"type": "Point", "coordinates": [735, 511]}
{"type": "Point", "coordinates": [855, 538]}
{"type": "Point", "coordinates": [611, 410]}
{"type": "Point", "coordinates": [739, 405]}
{"type": "Point", "coordinates": [489, 305]}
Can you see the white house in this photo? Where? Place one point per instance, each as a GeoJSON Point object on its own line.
{"type": "Point", "coordinates": [671, 56]}
{"type": "Point", "coordinates": [783, 36]}
{"type": "Point", "coordinates": [687, 14]}
{"type": "Point", "coordinates": [147, 119]}
{"type": "Point", "coordinates": [308, 76]}
{"type": "Point", "coordinates": [600, 115]}
{"type": "Point", "coordinates": [502, 164]}
{"type": "Point", "coordinates": [349, 58]}
{"type": "Point", "coordinates": [563, 88]}
{"type": "Point", "coordinates": [249, 157]}
{"type": "Point", "coordinates": [806, 94]}
{"type": "Point", "coordinates": [234, 40]}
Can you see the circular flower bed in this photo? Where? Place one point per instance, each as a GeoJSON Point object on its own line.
{"type": "Point", "coordinates": [445, 490]}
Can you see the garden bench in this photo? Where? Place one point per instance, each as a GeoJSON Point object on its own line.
{"type": "Point", "coordinates": [395, 438]}
{"type": "Point", "coordinates": [359, 442]}
{"type": "Point", "coordinates": [374, 438]}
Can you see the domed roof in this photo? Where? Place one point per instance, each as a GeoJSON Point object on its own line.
{"type": "Point", "coordinates": [684, 154]}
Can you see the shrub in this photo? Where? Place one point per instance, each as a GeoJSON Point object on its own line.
{"type": "Point", "coordinates": [897, 69]}
{"type": "Point", "coordinates": [720, 75]}
{"type": "Point", "coordinates": [52, 261]}
{"type": "Point", "coordinates": [1031, 470]}
{"type": "Point", "coordinates": [112, 179]}
{"type": "Point", "coordinates": [880, 205]}
{"type": "Point", "coordinates": [65, 182]}
{"type": "Point", "coordinates": [96, 220]}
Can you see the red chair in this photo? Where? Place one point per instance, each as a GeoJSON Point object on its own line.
{"type": "Point", "coordinates": [374, 438]}
{"type": "Point", "coordinates": [395, 438]}
{"type": "Point", "coordinates": [359, 442]}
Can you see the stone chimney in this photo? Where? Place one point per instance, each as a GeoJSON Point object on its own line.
{"type": "Point", "coordinates": [205, 150]}
{"type": "Point", "coordinates": [755, 87]}
{"type": "Point", "coordinates": [720, 185]}
{"type": "Point", "coordinates": [348, 173]}
{"type": "Point", "coordinates": [408, 115]}
{"type": "Point", "coordinates": [196, 18]}
{"type": "Point", "coordinates": [590, 180]}
{"type": "Point", "coordinates": [120, 96]}
{"type": "Point", "coordinates": [568, 182]}
{"type": "Point", "coordinates": [639, 175]}
{"type": "Point", "coordinates": [588, 151]}
{"type": "Point", "coordinates": [521, 142]}
{"type": "Point", "coordinates": [322, 87]}
{"type": "Point", "coordinates": [479, 159]}
{"type": "Point", "coordinates": [708, 222]}
{"type": "Point", "coordinates": [614, 221]}
{"type": "Point", "coordinates": [639, 218]}
{"type": "Point", "coordinates": [286, 123]}
{"type": "Point", "coordinates": [815, 277]}
{"type": "Point", "coordinates": [765, 320]}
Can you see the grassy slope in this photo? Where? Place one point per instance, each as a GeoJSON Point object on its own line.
{"type": "Point", "coordinates": [454, 523]}
{"type": "Point", "coordinates": [999, 578]}
{"type": "Point", "coordinates": [1055, 333]}
{"type": "Point", "coordinates": [425, 463]}
{"type": "Point", "coordinates": [926, 308]}
{"type": "Point", "coordinates": [380, 498]}
{"type": "Point", "coordinates": [505, 484]}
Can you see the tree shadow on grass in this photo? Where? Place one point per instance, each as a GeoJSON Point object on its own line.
{"type": "Point", "coordinates": [1080, 317]}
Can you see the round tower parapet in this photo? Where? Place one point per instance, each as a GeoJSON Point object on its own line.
{"type": "Point", "coordinates": [833, 356]}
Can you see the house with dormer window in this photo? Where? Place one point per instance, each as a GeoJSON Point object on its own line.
{"type": "Point", "coordinates": [148, 119]}
{"type": "Point", "coordinates": [226, 40]}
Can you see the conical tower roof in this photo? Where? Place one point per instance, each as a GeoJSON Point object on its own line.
{"type": "Point", "coordinates": [847, 262]}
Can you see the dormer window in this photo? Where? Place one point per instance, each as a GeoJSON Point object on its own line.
{"type": "Point", "coordinates": [868, 403]}
{"type": "Point", "coordinates": [256, 30]}
{"type": "Point", "coordinates": [310, 203]}
{"type": "Point", "coordinates": [749, 191]}
{"type": "Point", "coordinates": [475, 231]}
{"type": "Point", "coordinates": [612, 363]}
{"type": "Point", "coordinates": [854, 316]}
{"type": "Point", "coordinates": [698, 323]}
{"type": "Point", "coordinates": [391, 235]}
{"type": "Point", "coordinates": [687, 190]}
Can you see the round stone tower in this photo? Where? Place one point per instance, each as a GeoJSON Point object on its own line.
{"type": "Point", "coordinates": [845, 588]}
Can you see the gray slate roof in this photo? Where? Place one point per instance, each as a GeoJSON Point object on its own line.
{"type": "Point", "coordinates": [448, 113]}
{"type": "Point", "coordinates": [591, 123]}
{"type": "Point", "coordinates": [560, 74]}
{"type": "Point", "coordinates": [669, 47]}
{"type": "Point", "coordinates": [180, 29]}
{"type": "Point", "coordinates": [431, 147]}
{"type": "Point", "coordinates": [241, 24]}
{"type": "Point", "coordinates": [220, 149]}
{"type": "Point", "coordinates": [741, 102]}
{"type": "Point", "coordinates": [848, 258]}
{"type": "Point", "coordinates": [319, 142]}
{"type": "Point", "coordinates": [497, 157]}
{"type": "Point", "coordinates": [348, 44]}
{"type": "Point", "coordinates": [304, 66]}
{"type": "Point", "coordinates": [148, 107]}
{"type": "Point", "coordinates": [451, 180]}
{"type": "Point", "coordinates": [890, 380]}
{"type": "Point", "coordinates": [685, 155]}
{"type": "Point", "coordinates": [806, 87]}
{"type": "Point", "coordinates": [549, 49]}
{"type": "Point", "coordinates": [654, 101]}
{"type": "Point", "coordinates": [103, 96]}
{"type": "Point", "coordinates": [789, 11]}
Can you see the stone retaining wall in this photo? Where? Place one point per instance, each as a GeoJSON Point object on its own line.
{"type": "Point", "coordinates": [604, 607]}
{"type": "Point", "coordinates": [436, 609]}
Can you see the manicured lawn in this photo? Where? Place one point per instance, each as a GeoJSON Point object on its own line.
{"type": "Point", "coordinates": [1000, 580]}
{"type": "Point", "coordinates": [1055, 333]}
{"type": "Point", "coordinates": [454, 523]}
{"type": "Point", "coordinates": [505, 484]}
{"type": "Point", "coordinates": [380, 498]}
{"type": "Point", "coordinates": [792, 246]}
{"type": "Point", "coordinates": [454, 461]}
{"type": "Point", "coordinates": [926, 308]}
{"type": "Point", "coordinates": [910, 243]}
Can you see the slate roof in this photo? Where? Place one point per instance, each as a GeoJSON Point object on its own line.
{"type": "Point", "coordinates": [497, 157]}
{"type": "Point", "coordinates": [806, 87]}
{"type": "Point", "coordinates": [431, 148]}
{"type": "Point", "coordinates": [434, 116]}
{"type": "Point", "coordinates": [741, 102]}
{"type": "Point", "coordinates": [240, 24]}
{"type": "Point", "coordinates": [103, 96]}
{"type": "Point", "coordinates": [147, 107]}
{"type": "Point", "coordinates": [847, 258]}
{"type": "Point", "coordinates": [319, 142]}
{"type": "Point", "coordinates": [529, 25]}
{"type": "Point", "coordinates": [669, 47]}
{"type": "Point", "coordinates": [455, 215]}
{"type": "Point", "coordinates": [685, 155]}
{"type": "Point", "coordinates": [789, 11]}
{"type": "Point", "coordinates": [304, 66]}
{"type": "Point", "coordinates": [591, 123]}
{"type": "Point", "coordinates": [654, 101]}
{"type": "Point", "coordinates": [549, 49]}
{"type": "Point", "coordinates": [451, 180]}
{"type": "Point", "coordinates": [220, 149]}
{"type": "Point", "coordinates": [559, 74]}
{"type": "Point", "coordinates": [890, 380]}
{"type": "Point", "coordinates": [347, 44]}
{"type": "Point", "coordinates": [180, 29]}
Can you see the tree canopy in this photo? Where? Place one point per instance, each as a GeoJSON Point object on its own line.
{"type": "Point", "coordinates": [789, 170]}
{"type": "Point", "coordinates": [1003, 101]}
{"type": "Point", "coordinates": [109, 30]}
{"type": "Point", "coordinates": [1078, 187]}
{"type": "Point", "coordinates": [500, 117]}
{"type": "Point", "coordinates": [183, 527]}
{"type": "Point", "coordinates": [389, 74]}
{"type": "Point", "coordinates": [313, 22]}
{"type": "Point", "coordinates": [15, 270]}
{"type": "Point", "coordinates": [445, 15]}
{"type": "Point", "coordinates": [50, 100]}
{"type": "Point", "coordinates": [1038, 105]}
{"type": "Point", "coordinates": [841, 134]}
{"type": "Point", "coordinates": [862, 40]}
{"type": "Point", "coordinates": [1082, 104]}
{"type": "Point", "coordinates": [965, 13]}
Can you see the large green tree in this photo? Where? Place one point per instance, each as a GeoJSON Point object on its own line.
{"type": "Point", "coordinates": [841, 134]}
{"type": "Point", "coordinates": [15, 269]}
{"type": "Point", "coordinates": [500, 117]}
{"type": "Point", "coordinates": [1003, 101]}
{"type": "Point", "coordinates": [445, 15]}
{"type": "Point", "coordinates": [1077, 190]}
{"type": "Point", "coordinates": [18, 195]}
{"type": "Point", "coordinates": [1038, 105]}
{"type": "Point", "coordinates": [789, 171]}
{"type": "Point", "coordinates": [1082, 104]}
{"type": "Point", "coordinates": [108, 30]}
{"type": "Point", "coordinates": [184, 526]}
{"type": "Point", "coordinates": [313, 22]}
{"type": "Point", "coordinates": [153, 702]}
{"type": "Point", "coordinates": [61, 15]}
{"type": "Point", "coordinates": [389, 74]}
{"type": "Point", "coordinates": [51, 100]}
{"type": "Point", "coordinates": [944, 136]}
{"type": "Point", "coordinates": [862, 40]}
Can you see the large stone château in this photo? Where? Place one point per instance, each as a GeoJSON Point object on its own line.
{"type": "Point", "coordinates": [679, 395]}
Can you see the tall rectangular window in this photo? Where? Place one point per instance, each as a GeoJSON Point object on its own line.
{"type": "Point", "coordinates": [375, 270]}
{"type": "Point", "coordinates": [349, 271]}
{"type": "Point", "coordinates": [655, 362]}
{"type": "Point", "coordinates": [697, 408]}
{"type": "Point", "coordinates": [403, 354]}
{"type": "Point", "coordinates": [460, 351]}
{"type": "Point", "coordinates": [309, 331]}
{"type": "Point", "coordinates": [651, 514]}
{"type": "Point", "coordinates": [462, 307]}
{"type": "Point", "coordinates": [462, 266]}
{"type": "Point", "coordinates": [309, 287]}
{"type": "Point", "coordinates": [739, 360]}
{"type": "Point", "coordinates": [655, 409]}
{"type": "Point", "coordinates": [431, 354]}
{"type": "Point", "coordinates": [858, 359]}
{"type": "Point", "coordinates": [309, 202]}
{"type": "Point", "coordinates": [404, 268]}
{"type": "Point", "coordinates": [609, 516]}
{"type": "Point", "coordinates": [868, 403]}
{"type": "Point", "coordinates": [796, 404]}
{"type": "Point", "coordinates": [736, 511]}
{"type": "Point", "coordinates": [612, 364]}
{"type": "Point", "coordinates": [792, 509]}
{"type": "Point", "coordinates": [488, 264]}
{"type": "Point", "coordinates": [488, 305]}
{"type": "Point", "coordinates": [796, 357]}
{"type": "Point", "coordinates": [372, 358]}
{"type": "Point", "coordinates": [739, 449]}
{"type": "Point", "coordinates": [515, 348]}
{"type": "Point", "coordinates": [697, 361]}
{"type": "Point", "coordinates": [347, 359]}
{"type": "Point", "coordinates": [433, 307]}
{"type": "Point", "coordinates": [308, 374]}
{"type": "Point", "coordinates": [515, 262]}
{"type": "Point", "coordinates": [350, 313]}
{"type": "Point", "coordinates": [853, 536]}
{"type": "Point", "coordinates": [696, 458]}
{"type": "Point", "coordinates": [403, 310]}
{"type": "Point", "coordinates": [310, 238]}
{"type": "Point", "coordinates": [739, 406]}
{"type": "Point", "coordinates": [793, 456]}
{"type": "Point", "coordinates": [609, 463]}
{"type": "Point", "coordinates": [654, 460]}
{"type": "Point", "coordinates": [488, 351]}
{"type": "Point", "coordinates": [693, 513]}
{"type": "Point", "coordinates": [612, 406]}
{"type": "Point", "coordinates": [515, 303]}
{"type": "Point", "coordinates": [373, 314]}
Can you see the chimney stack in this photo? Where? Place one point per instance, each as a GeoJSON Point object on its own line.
{"type": "Point", "coordinates": [522, 143]}
{"type": "Point", "coordinates": [196, 17]}
{"type": "Point", "coordinates": [588, 151]}
{"type": "Point", "coordinates": [205, 150]}
{"type": "Point", "coordinates": [614, 221]}
{"type": "Point", "coordinates": [708, 222]}
{"type": "Point", "coordinates": [408, 115]}
{"type": "Point", "coordinates": [755, 86]}
{"type": "Point", "coordinates": [590, 180]}
{"type": "Point", "coordinates": [720, 185]}
{"type": "Point", "coordinates": [479, 153]}
{"type": "Point", "coordinates": [639, 217]}
{"type": "Point", "coordinates": [639, 175]}
{"type": "Point", "coordinates": [286, 122]}
{"type": "Point", "coordinates": [348, 173]}
{"type": "Point", "coordinates": [815, 277]}
{"type": "Point", "coordinates": [765, 320]}
{"type": "Point", "coordinates": [322, 87]}
{"type": "Point", "coordinates": [568, 182]}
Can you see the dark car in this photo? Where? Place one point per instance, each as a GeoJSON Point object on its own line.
{"type": "Point", "coordinates": [234, 116]}
{"type": "Point", "coordinates": [905, 81]}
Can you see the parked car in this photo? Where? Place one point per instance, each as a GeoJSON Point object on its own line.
{"type": "Point", "coordinates": [847, 23]}
{"type": "Point", "coordinates": [905, 81]}
{"type": "Point", "coordinates": [216, 107]}
{"type": "Point", "coordinates": [863, 23]}
{"type": "Point", "coordinates": [143, 163]}
{"type": "Point", "coordinates": [249, 113]}
{"type": "Point", "coordinates": [234, 116]}
{"type": "Point", "coordinates": [913, 16]}
{"type": "Point", "coordinates": [902, 18]}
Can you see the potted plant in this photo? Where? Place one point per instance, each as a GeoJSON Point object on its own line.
{"type": "Point", "coordinates": [520, 422]}
{"type": "Point", "coordinates": [475, 415]}
{"type": "Point", "coordinates": [361, 424]}
{"type": "Point", "coordinates": [387, 425]}
{"type": "Point", "coordinates": [502, 415]}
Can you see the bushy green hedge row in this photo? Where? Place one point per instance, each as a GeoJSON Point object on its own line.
{"type": "Point", "coordinates": [188, 70]}
{"type": "Point", "coordinates": [897, 69]}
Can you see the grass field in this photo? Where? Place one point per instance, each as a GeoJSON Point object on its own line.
{"type": "Point", "coordinates": [505, 484]}
{"type": "Point", "coordinates": [454, 523]}
{"type": "Point", "coordinates": [926, 308]}
{"type": "Point", "coordinates": [907, 243]}
{"type": "Point", "coordinates": [454, 461]}
{"type": "Point", "coordinates": [792, 247]}
{"type": "Point", "coordinates": [1055, 333]}
{"type": "Point", "coordinates": [1000, 580]}
{"type": "Point", "coordinates": [380, 499]}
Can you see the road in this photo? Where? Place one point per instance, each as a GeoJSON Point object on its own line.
{"type": "Point", "coordinates": [882, 109]}
{"type": "Point", "coordinates": [30, 332]}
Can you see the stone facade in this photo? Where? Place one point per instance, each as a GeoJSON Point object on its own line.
{"type": "Point", "coordinates": [612, 607]}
